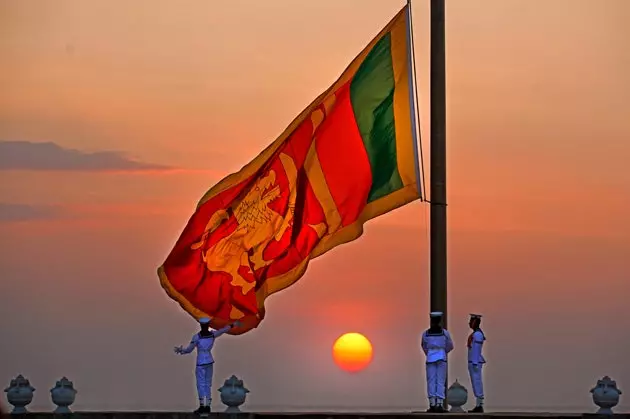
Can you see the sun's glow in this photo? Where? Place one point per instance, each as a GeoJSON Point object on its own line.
{"type": "Point", "coordinates": [352, 352]}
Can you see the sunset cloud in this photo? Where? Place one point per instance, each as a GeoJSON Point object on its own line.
{"type": "Point", "coordinates": [10, 213]}
{"type": "Point", "coordinates": [105, 214]}
{"type": "Point", "coordinates": [25, 155]}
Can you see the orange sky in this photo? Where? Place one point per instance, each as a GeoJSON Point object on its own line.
{"type": "Point", "coordinates": [538, 196]}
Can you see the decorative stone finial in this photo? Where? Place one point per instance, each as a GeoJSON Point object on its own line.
{"type": "Point", "coordinates": [456, 396]}
{"type": "Point", "coordinates": [63, 395]}
{"type": "Point", "coordinates": [606, 395]}
{"type": "Point", "coordinates": [19, 394]}
{"type": "Point", "coordinates": [233, 394]}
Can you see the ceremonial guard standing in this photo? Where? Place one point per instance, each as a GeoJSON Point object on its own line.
{"type": "Point", "coordinates": [436, 344]}
{"type": "Point", "coordinates": [476, 360]}
{"type": "Point", "coordinates": [204, 341]}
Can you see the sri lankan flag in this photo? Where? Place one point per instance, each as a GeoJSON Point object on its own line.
{"type": "Point", "coordinates": [348, 157]}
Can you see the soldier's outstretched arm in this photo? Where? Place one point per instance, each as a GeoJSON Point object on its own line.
{"type": "Point", "coordinates": [449, 341]}
{"type": "Point", "coordinates": [221, 331]}
{"type": "Point", "coordinates": [188, 349]}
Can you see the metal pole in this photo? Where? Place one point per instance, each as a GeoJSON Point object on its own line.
{"type": "Point", "coordinates": [438, 164]}
{"type": "Point", "coordinates": [438, 161]}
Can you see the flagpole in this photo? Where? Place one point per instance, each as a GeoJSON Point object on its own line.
{"type": "Point", "coordinates": [437, 245]}
{"type": "Point", "coordinates": [438, 161]}
{"type": "Point", "coordinates": [437, 197]}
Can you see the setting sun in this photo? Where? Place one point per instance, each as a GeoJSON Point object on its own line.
{"type": "Point", "coordinates": [352, 352]}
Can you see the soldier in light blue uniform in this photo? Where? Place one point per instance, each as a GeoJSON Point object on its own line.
{"type": "Point", "coordinates": [476, 360]}
{"type": "Point", "coordinates": [436, 344]}
{"type": "Point", "coordinates": [204, 341]}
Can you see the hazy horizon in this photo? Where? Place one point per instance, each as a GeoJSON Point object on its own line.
{"type": "Point", "coordinates": [116, 118]}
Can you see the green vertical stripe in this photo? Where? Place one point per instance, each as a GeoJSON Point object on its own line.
{"type": "Point", "coordinates": [372, 95]}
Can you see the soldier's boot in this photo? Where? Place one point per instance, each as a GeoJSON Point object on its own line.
{"type": "Point", "coordinates": [479, 407]}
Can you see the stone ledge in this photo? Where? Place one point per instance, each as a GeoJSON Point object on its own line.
{"type": "Point", "coordinates": [313, 415]}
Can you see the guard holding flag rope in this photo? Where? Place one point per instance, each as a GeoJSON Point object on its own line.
{"type": "Point", "coordinates": [436, 344]}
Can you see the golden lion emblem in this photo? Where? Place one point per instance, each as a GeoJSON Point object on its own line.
{"type": "Point", "coordinates": [257, 226]}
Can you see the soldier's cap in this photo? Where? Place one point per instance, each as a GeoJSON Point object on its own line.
{"type": "Point", "coordinates": [204, 320]}
{"type": "Point", "coordinates": [436, 314]}
{"type": "Point", "coordinates": [475, 316]}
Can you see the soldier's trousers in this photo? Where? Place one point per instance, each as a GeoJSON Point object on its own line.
{"type": "Point", "coordinates": [476, 379]}
{"type": "Point", "coordinates": [436, 380]}
{"type": "Point", "coordinates": [203, 374]}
